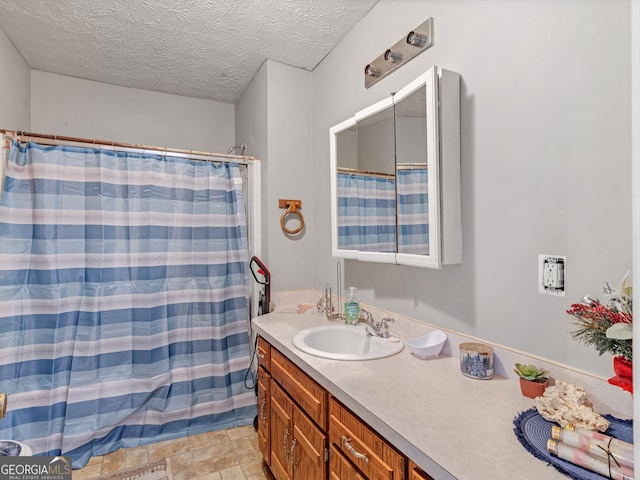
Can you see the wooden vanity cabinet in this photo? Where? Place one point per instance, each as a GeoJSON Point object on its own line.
{"type": "Point", "coordinates": [366, 452]}
{"type": "Point", "coordinates": [414, 472]}
{"type": "Point", "coordinates": [264, 354]}
{"type": "Point", "coordinates": [281, 428]}
{"type": "Point", "coordinates": [340, 468]}
{"type": "Point", "coordinates": [297, 444]}
{"type": "Point", "coordinates": [294, 415]}
{"type": "Point", "coordinates": [264, 413]}
{"type": "Point", "coordinates": [297, 405]}
{"type": "Point", "coordinates": [264, 398]}
{"type": "Point", "coordinates": [310, 396]}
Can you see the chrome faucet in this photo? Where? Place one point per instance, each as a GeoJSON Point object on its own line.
{"type": "Point", "coordinates": [372, 327]}
{"type": "Point", "coordinates": [368, 318]}
{"type": "Point", "coordinates": [371, 331]}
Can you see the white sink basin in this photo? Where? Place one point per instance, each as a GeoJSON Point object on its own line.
{"type": "Point", "coordinates": [345, 342]}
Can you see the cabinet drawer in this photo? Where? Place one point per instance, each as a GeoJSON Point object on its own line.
{"type": "Point", "coordinates": [311, 397]}
{"type": "Point", "coordinates": [416, 473]}
{"type": "Point", "coordinates": [340, 468]}
{"type": "Point", "coordinates": [368, 451]}
{"type": "Point", "coordinates": [264, 354]}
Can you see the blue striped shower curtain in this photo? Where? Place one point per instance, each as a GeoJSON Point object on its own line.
{"type": "Point", "coordinates": [123, 299]}
{"type": "Point", "coordinates": [366, 213]}
{"type": "Point", "coordinates": [413, 211]}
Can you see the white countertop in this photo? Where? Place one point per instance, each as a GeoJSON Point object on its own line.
{"type": "Point", "coordinates": [451, 425]}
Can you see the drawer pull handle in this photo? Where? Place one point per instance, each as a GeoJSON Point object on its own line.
{"type": "Point", "coordinates": [293, 456]}
{"type": "Point", "coordinates": [284, 444]}
{"type": "Point", "coordinates": [262, 406]}
{"type": "Point", "coordinates": [260, 355]}
{"type": "Point", "coordinates": [347, 444]}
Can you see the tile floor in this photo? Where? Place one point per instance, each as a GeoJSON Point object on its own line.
{"type": "Point", "coordinates": [221, 455]}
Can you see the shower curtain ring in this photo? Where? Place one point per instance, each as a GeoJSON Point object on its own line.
{"type": "Point", "coordinates": [291, 208]}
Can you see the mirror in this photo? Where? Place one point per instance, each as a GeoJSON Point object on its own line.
{"type": "Point", "coordinates": [412, 195]}
{"type": "Point", "coordinates": [366, 182]}
{"type": "Point", "coordinates": [396, 177]}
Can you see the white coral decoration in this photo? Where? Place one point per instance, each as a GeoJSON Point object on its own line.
{"type": "Point", "coordinates": [568, 404]}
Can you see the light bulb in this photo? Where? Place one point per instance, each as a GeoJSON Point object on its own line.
{"type": "Point", "coordinates": [391, 56]}
{"type": "Point", "coordinates": [416, 39]}
{"type": "Point", "coordinates": [371, 71]}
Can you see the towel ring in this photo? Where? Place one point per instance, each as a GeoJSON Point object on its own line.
{"type": "Point", "coordinates": [291, 208]}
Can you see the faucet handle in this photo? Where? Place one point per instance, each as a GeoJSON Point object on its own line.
{"type": "Point", "coordinates": [367, 315]}
{"type": "Point", "coordinates": [384, 326]}
{"type": "Point", "coordinates": [364, 317]}
{"type": "Point", "coordinates": [370, 331]}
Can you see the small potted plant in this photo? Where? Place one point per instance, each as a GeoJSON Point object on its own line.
{"type": "Point", "coordinates": [533, 380]}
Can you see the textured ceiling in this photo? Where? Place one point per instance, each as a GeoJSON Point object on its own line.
{"type": "Point", "coordinates": [200, 48]}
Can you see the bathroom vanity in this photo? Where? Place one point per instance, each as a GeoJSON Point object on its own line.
{"type": "Point", "coordinates": [304, 431]}
{"type": "Point", "coordinates": [392, 418]}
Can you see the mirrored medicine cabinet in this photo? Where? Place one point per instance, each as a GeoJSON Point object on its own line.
{"type": "Point", "coordinates": [395, 177]}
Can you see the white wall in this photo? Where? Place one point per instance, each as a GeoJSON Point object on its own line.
{"type": "Point", "coordinates": [251, 129]}
{"type": "Point", "coordinates": [545, 118]}
{"type": "Point", "coordinates": [274, 112]}
{"type": "Point", "coordinates": [62, 105]}
{"type": "Point", "coordinates": [289, 174]}
{"type": "Point", "coordinates": [15, 84]}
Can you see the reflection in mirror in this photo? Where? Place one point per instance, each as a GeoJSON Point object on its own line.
{"type": "Point", "coordinates": [411, 173]}
{"type": "Point", "coordinates": [366, 184]}
{"type": "Point", "coordinates": [376, 142]}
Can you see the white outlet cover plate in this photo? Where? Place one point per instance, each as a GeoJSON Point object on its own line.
{"type": "Point", "coordinates": [541, 287]}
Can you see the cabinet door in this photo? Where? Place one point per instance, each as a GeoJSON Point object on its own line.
{"type": "Point", "coordinates": [340, 468]}
{"type": "Point", "coordinates": [264, 414]}
{"type": "Point", "coordinates": [416, 473]}
{"type": "Point", "coordinates": [297, 445]}
{"type": "Point", "coordinates": [281, 433]}
{"type": "Point", "coordinates": [308, 448]}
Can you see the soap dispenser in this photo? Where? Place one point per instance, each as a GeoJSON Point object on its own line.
{"type": "Point", "coordinates": [351, 307]}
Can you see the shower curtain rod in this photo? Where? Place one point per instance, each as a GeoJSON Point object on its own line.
{"type": "Point", "coordinates": [365, 172]}
{"type": "Point", "coordinates": [74, 141]}
{"type": "Point", "coordinates": [411, 166]}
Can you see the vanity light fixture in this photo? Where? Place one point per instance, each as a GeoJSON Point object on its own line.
{"type": "Point", "coordinates": [412, 44]}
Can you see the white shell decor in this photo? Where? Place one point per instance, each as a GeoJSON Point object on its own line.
{"type": "Point", "coordinates": [568, 404]}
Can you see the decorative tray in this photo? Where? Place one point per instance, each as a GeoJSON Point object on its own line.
{"type": "Point", "coordinates": [533, 431]}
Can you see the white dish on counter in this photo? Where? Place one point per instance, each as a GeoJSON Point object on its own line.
{"type": "Point", "coordinates": [427, 346]}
